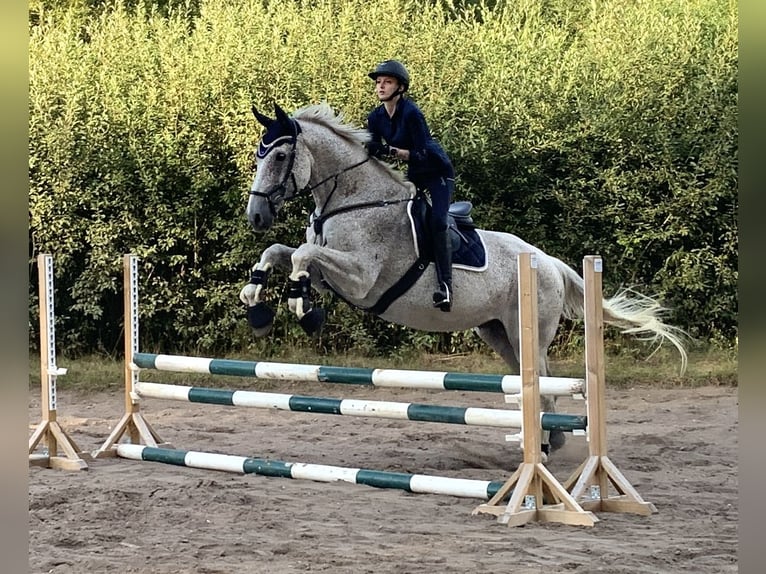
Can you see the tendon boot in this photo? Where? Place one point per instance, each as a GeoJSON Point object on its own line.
{"type": "Point", "coordinates": [443, 258]}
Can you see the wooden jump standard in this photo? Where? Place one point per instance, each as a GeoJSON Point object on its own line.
{"type": "Point", "coordinates": [49, 431]}
{"type": "Point", "coordinates": [597, 472]}
{"type": "Point", "coordinates": [590, 483]}
{"type": "Point", "coordinates": [536, 494]}
{"type": "Point", "coordinates": [133, 424]}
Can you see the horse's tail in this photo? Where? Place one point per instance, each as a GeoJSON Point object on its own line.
{"type": "Point", "coordinates": [632, 312]}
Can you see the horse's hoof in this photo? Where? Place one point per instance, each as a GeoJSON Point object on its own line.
{"type": "Point", "coordinates": [261, 318]}
{"type": "Point", "coordinates": [557, 439]}
{"type": "Point", "coordinates": [312, 321]}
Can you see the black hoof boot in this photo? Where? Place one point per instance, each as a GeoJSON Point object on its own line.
{"type": "Point", "coordinates": [312, 321]}
{"type": "Point", "coordinates": [260, 316]}
{"type": "Point", "coordinates": [557, 439]}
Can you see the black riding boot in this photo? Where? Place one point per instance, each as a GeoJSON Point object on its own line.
{"type": "Point", "coordinates": [443, 259]}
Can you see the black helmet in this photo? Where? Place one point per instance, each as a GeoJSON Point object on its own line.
{"type": "Point", "coordinates": [392, 68]}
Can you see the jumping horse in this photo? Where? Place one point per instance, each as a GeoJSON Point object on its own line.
{"type": "Point", "coordinates": [362, 244]}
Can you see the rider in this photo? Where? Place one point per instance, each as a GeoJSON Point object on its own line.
{"type": "Point", "coordinates": [399, 131]}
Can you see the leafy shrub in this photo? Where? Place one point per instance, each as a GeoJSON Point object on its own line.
{"type": "Point", "coordinates": [607, 127]}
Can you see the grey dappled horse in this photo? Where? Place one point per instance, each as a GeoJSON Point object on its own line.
{"type": "Point", "coordinates": [360, 243]}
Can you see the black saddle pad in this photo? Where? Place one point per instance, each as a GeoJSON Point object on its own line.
{"type": "Point", "coordinates": [468, 250]}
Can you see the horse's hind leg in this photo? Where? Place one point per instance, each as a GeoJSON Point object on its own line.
{"type": "Point", "coordinates": [546, 332]}
{"type": "Point", "coordinates": [494, 334]}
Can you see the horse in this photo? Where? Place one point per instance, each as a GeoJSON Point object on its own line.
{"type": "Point", "coordinates": [361, 245]}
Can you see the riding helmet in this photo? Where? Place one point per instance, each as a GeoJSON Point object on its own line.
{"type": "Point", "coordinates": [393, 68]}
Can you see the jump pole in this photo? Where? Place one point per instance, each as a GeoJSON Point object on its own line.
{"type": "Point", "coordinates": [390, 378]}
{"type": "Point", "coordinates": [132, 422]}
{"type": "Point", "coordinates": [473, 416]}
{"type": "Point", "coordinates": [418, 483]}
{"type": "Point", "coordinates": [536, 495]}
{"type": "Point", "coordinates": [48, 430]}
{"type": "Point", "coordinates": [591, 482]}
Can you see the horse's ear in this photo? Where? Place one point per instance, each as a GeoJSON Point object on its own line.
{"type": "Point", "coordinates": [265, 121]}
{"type": "Point", "coordinates": [281, 115]}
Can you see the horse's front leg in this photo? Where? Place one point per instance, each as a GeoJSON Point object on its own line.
{"type": "Point", "coordinates": [310, 259]}
{"type": "Point", "coordinates": [259, 315]}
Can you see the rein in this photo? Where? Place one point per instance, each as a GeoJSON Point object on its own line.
{"type": "Point", "coordinates": [319, 220]}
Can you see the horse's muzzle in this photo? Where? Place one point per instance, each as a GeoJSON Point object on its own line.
{"type": "Point", "coordinates": [260, 212]}
{"type": "Point", "coordinates": [258, 222]}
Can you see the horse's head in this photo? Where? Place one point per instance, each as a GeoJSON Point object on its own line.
{"type": "Point", "coordinates": [281, 173]}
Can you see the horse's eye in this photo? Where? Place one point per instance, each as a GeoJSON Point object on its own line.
{"type": "Point", "coordinates": [281, 156]}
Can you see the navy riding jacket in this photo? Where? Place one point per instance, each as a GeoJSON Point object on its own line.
{"type": "Point", "coordinates": [407, 129]}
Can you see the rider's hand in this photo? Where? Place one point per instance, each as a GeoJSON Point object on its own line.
{"type": "Point", "coordinates": [400, 154]}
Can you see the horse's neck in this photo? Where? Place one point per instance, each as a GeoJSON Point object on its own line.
{"type": "Point", "coordinates": [347, 177]}
{"type": "Point", "coordinates": [371, 198]}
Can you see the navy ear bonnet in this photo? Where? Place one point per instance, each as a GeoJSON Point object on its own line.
{"type": "Point", "coordinates": [279, 131]}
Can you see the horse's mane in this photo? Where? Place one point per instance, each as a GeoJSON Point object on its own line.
{"type": "Point", "coordinates": [323, 114]}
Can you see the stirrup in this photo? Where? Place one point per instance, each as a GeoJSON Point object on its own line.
{"type": "Point", "coordinates": [442, 299]}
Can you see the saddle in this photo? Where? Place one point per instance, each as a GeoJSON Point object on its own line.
{"type": "Point", "coordinates": [467, 248]}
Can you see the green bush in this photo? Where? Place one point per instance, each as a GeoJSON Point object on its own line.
{"type": "Point", "coordinates": [604, 127]}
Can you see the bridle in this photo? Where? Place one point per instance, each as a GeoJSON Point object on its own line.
{"type": "Point", "coordinates": [278, 191]}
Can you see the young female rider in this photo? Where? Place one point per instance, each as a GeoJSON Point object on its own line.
{"type": "Point", "coordinates": [399, 131]}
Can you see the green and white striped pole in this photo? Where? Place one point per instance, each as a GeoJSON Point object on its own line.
{"type": "Point", "coordinates": [490, 383]}
{"type": "Point", "coordinates": [418, 483]}
{"type": "Point", "coordinates": [362, 408]}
